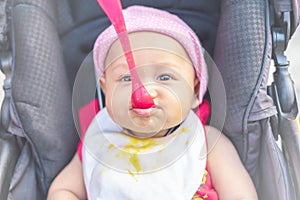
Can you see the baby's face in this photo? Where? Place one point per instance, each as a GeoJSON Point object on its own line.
{"type": "Point", "coordinates": [167, 75]}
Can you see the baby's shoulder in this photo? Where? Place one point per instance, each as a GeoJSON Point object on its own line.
{"type": "Point", "coordinates": [216, 139]}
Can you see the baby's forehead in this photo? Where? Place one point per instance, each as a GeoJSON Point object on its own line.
{"type": "Point", "coordinates": [147, 41]}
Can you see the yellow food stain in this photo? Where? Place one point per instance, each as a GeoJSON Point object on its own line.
{"type": "Point", "coordinates": [131, 174]}
{"type": "Point", "coordinates": [197, 198]}
{"type": "Point", "coordinates": [138, 145]}
{"type": "Point", "coordinates": [101, 172]}
{"type": "Point", "coordinates": [187, 142]}
{"type": "Point", "coordinates": [111, 146]}
{"type": "Point", "coordinates": [185, 130]}
{"type": "Point", "coordinates": [134, 160]}
{"type": "Point", "coordinates": [117, 155]}
{"type": "Point", "coordinates": [204, 178]}
{"type": "Point", "coordinates": [298, 124]}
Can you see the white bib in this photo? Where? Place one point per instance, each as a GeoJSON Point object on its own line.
{"type": "Point", "coordinates": [117, 166]}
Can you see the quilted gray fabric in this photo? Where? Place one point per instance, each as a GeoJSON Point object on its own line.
{"type": "Point", "coordinates": [42, 96]}
{"type": "Point", "coordinates": [242, 54]}
{"type": "Point", "coordinates": [239, 53]}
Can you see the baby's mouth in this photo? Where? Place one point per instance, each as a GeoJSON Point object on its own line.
{"type": "Point", "coordinates": [143, 112]}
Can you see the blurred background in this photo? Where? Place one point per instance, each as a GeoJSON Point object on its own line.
{"type": "Point", "coordinates": [294, 57]}
{"type": "Point", "coordinates": [292, 53]}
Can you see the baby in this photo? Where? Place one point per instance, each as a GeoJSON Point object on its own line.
{"type": "Point", "coordinates": [162, 152]}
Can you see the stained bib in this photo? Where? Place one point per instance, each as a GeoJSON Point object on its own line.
{"type": "Point", "coordinates": [119, 166]}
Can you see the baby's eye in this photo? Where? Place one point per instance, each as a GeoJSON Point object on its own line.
{"type": "Point", "coordinates": [164, 77]}
{"type": "Point", "coordinates": [126, 78]}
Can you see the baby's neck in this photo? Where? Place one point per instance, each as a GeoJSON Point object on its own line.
{"type": "Point", "coordinates": [162, 133]}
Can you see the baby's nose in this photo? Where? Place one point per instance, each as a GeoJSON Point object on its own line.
{"type": "Point", "coordinates": [152, 91]}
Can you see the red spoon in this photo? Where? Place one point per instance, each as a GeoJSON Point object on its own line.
{"type": "Point", "coordinates": [140, 98]}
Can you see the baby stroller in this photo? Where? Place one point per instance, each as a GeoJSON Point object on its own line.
{"type": "Point", "coordinates": [44, 42]}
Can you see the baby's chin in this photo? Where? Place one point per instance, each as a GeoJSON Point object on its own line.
{"type": "Point", "coordinates": [144, 127]}
{"type": "Point", "coordinates": [148, 127]}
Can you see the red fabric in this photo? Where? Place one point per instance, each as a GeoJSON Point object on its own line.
{"type": "Point", "coordinates": [206, 190]}
{"type": "Point", "coordinates": [86, 114]}
{"type": "Point", "coordinates": [203, 111]}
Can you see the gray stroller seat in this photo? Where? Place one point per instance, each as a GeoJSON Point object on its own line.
{"type": "Point", "coordinates": [44, 42]}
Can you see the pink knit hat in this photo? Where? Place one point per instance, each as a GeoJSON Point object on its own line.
{"type": "Point", "coordinates": [140, 18]}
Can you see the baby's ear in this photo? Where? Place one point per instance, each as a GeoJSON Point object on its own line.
{"type": "Point", "coordinates": [102, 84]}
{"type": "Point", "coordinates": [196, 102]}
{"type": "Point", "coordinates": [196, 87]}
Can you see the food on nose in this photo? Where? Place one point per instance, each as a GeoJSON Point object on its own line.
{"type": "Point", "coordinates": [140, 98]}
